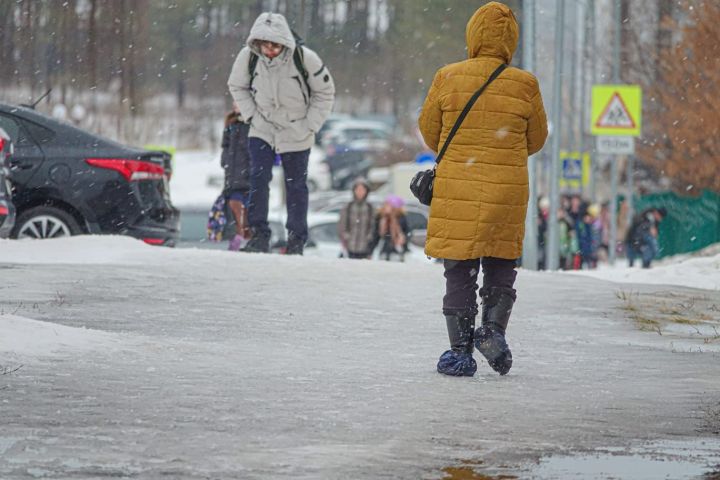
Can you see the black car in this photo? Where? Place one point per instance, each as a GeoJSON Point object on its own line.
{"type": "Point", "coordinates": [7, 209]}
{"type": "Point", "coordinates": [67, 181]}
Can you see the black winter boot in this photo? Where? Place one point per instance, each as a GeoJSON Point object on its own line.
{"type": "Point", "coordinates": [458, 361]}
{"type": "Point", "coordinates": [259, 243]}
{"type": "Point", "coordinates": [295, 245]}
{"type": "Point", "coordinates": [497, 303]}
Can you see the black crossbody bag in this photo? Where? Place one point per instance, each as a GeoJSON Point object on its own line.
{"type": "Point", "coordinates": [422, 183]}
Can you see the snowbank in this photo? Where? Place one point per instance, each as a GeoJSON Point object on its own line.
{"type": "Point", "coordinates": [22, 337]}
{"type": "Point", "coordinates": [693, 272]}
{"type": "Point", "coordinates": [83, 250]}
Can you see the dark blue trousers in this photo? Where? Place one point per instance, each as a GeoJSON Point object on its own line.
{"type": "Point", "coordinates": [295, 165]}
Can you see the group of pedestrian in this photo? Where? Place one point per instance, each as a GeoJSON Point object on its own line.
{"type": "Point", "coordinates": [362, 228]}
{"type": "Point", "coordinates": [583, 232]}
{"type": "Point", "coordinates": [480, 190]}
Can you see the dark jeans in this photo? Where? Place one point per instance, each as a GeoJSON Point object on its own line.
{"type": "Point", "coordinates": [461, 281]}
{"type": "Point", "coordinates": [646, 251]}
{"type": "Point", "coordinates": [295, 165]}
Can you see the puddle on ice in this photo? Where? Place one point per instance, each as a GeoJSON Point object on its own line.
{"type": "Point", "coordinates": [676, 460]}
{"type": "Point", "coordinates": [698, 459]}
{"type": "Point", "coordinates": [613, 466]}
{"type": "Point", "coordinates": [470, 473]}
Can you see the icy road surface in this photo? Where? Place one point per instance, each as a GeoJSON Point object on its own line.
{"type": "Point", "coordinates": [144, 362]}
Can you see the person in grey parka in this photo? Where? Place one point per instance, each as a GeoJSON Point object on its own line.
{"type": "Point", "coordinates": [285, 106]}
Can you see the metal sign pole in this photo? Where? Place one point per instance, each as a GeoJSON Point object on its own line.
{"type": "Point", "coordinates": [581, 100]}
{"type": "Point", "coordinates": [612, 247]}
{"type": "Point", "coordinates": [630, 189]}
{"type": "Point", "coordinates": [592, 50]}
{"type": "Point", "coordinates": [553, 244]}
{"type": "Point", "coordinates": [530, 243]}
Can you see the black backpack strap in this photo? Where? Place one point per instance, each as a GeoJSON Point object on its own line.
{"type": "Point", "coordinates": [299, 60]}
{"type": "Point", "coordinates": [467, 109]}
{"type": "Point", "coordinates": [252, 65]}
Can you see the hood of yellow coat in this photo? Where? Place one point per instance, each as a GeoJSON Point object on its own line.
{"type": "Point", "coordinates": [492, 32]}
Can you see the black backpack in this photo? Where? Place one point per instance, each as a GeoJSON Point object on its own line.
{"type": "Point", "coordinates": [298, 60]}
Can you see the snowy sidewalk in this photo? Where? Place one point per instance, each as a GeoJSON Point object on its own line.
{"type": "Point", "coordinates": [208, 364]}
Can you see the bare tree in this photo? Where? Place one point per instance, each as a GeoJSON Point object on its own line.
{"type": "Point", "coordinates": [684, 133]}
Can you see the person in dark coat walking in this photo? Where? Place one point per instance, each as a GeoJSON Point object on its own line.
{"type": "Point", "coordinates": [357, 223]}
{"type": "Point", "coordinates": [235, 161]}
{"type": "Point", "coordinates": [642, 237]}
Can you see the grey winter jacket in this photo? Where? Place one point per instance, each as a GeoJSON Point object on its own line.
{"type": "Point", "coordinates": [276, 100]}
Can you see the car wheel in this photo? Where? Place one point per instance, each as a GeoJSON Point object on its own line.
{"type": "Point", "coordinates": [45, 222]}
{"type": "Point", "coordinates": [312, 186]}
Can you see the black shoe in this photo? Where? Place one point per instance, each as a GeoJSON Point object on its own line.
{"type": "Point", "coordinates": [258, 243]}
{"type": "Point", "coordinates": [295, 245]}
{"type": "Point", "coordinates": [490, 337]}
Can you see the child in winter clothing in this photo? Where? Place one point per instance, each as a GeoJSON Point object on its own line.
{"type": "Point", "coordinates": [357, 226]}
{"type": "Point", "coordinates": [588, 240]}
{"type": "Point", "coordinates": [235, 160]}
{"type": "Point", "coordinates": [567, 241]}
{"type": "Point", "coordinates": [393, 228]}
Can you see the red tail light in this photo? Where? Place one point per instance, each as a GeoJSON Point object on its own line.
{"type": "Point", "coordinates": [154, 241]}
{"type": "Point", "coordinates": [2, 144]}
{"type": "Point", "coordinates": [4, 210]}
{"type": "Point", "coordinates": [132, 170]}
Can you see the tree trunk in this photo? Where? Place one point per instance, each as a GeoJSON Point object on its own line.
{"type": "Point", "coordinates": [7, 37]}
{"type": "Point", "coordinates": [91, 55]}
{"type": "Point", "coordinates": [180, 58]}
{"type": "Point", "coordinates": [29, 43]}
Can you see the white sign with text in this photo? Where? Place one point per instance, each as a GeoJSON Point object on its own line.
{"type": "Point", "coordinates": [616, 145]}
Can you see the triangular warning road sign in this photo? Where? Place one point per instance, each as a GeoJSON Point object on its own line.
{"type": "Point", "coordinates": [615, 114]}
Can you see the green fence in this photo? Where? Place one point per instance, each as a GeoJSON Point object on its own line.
{"type": "Point", "coordinates": [692, 222]}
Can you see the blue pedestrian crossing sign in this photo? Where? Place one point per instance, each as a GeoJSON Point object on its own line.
{"type": "Point", "coordinates": [575, 170]}
{"type": "Point", "coordinates": [572, 168]}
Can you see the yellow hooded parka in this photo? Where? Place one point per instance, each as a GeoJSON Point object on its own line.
{"type": "Point", "coordinates": [481, 187]}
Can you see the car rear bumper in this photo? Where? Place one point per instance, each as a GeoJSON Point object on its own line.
{"type": "Point", "coordinates": [153, 232]}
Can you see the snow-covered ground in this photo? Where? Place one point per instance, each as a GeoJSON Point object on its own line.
{"type": "Point", "coordinates": [687, 271]}
{"type": "Point", "coordinates": [146, 362]}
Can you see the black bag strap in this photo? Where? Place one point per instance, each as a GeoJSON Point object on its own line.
{"type": "Point", "coordinates": [467, 109]}
{"type": "Point", "coordinates": [298, 60]}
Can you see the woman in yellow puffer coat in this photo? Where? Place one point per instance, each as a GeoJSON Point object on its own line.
{"type": "Point", "coordinates": [481, 186]}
